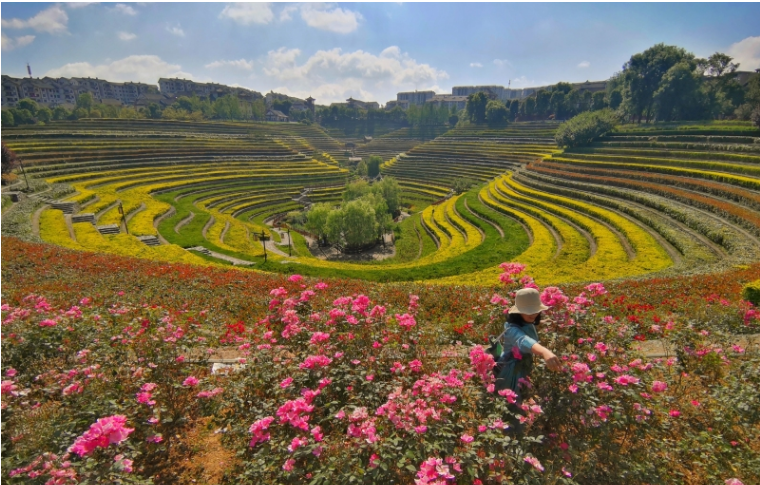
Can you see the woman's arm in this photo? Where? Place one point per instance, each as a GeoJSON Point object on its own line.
{"type": "Point", "coordinates": [552, 361]}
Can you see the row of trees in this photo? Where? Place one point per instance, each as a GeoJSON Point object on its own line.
{"type": "Point", "coordinates": [663, 83]}
{"type": "Point", "coordinates": [191, 108]}
{"type": "Point", "coordinates": [365, 215]}
{"type": "Point", "coordinates": [667, 83]}
{"type": "Point", "coordinates": [371, 168]}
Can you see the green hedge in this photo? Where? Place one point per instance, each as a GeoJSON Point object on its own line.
{"type": "Point", "coordinates": [751, 292]}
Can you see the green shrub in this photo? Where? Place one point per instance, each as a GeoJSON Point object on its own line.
{"type": "Point", "coordinates": [751, 292]}
{"type": "Point", "coordinates": [584, 128]}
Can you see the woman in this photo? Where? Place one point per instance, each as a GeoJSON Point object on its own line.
{"type": "Point", "coordinates": [520, 341]}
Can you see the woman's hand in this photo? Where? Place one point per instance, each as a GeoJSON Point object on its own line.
{"type": "Point", "coordinates": [552, 361]}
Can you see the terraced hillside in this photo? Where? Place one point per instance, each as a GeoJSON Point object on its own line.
{"type": "Point", "coordinates": [429, 170]}
{"type": "Point", "coordinates": [637, 202]}
{"type": "Point", "coordinates": [695, 189]}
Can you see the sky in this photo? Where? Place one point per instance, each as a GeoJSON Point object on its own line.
{"type": "Point", "coordinates": [368, 51]}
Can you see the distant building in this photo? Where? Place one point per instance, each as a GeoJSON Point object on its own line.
{"type": "Point", "coordinates": [275, 115]}
{"type": "Point", "coordinates": [355, 103]}
{"type": "Point", "coordinates": [448, 101]}
{"type": "Point", "coordinates": [417, 98]}
{"type": "Point", "coordinates": [53, 92]}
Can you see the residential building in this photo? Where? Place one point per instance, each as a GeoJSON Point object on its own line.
{"type": "Point", "coordinates": [417, 98]}
{"type": "Point", "coordinates": [52, 92]}
{"type": "Point", "coordinates": [448, 101]}
{"type": "Point", "coordinates": [275, 115]}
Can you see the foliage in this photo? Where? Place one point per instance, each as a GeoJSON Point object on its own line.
{"type": "Point", "coordinates": [9, 159]}
{"type": "Point", "coordinates": [476, 107]}
{"type": "Point", "coordinates": [751, 292]}
{"type": "Point", "coordinates": [7, 118]}
{"type": "Point", "coordinates": [463, 184]}
{"type": "Point", "coordinates": [326, 366]}
{"type": "Point", "coordinates": [496, 112]}
{"type": "Point", "coordinates": [585, 128]}
{"type": "Point", "coordinates": [361, 169]}
{"type": "Point", "coordinates": [373, 165]}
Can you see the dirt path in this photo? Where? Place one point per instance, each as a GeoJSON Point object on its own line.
{"type": "Point", "coordinates": [129, 216]}
{"type": "Point", "coordinates": [525, 227]}
{"type": "Point", "coordinates": [205, 228]}
{"type": "Point", "coordinates": [104, 210]}
{"type": "Point", "coordinates": [36, 220]}
{"type": "Point", "coordinates": [158, 221]}
{"type": "Point", "coordinates": [419, 238]}
{"type": "Point", "coordinates": [70, 227]}
{"type": "Point", "coordinates": [224, 232]}
{"type": "Point", "coordinates": [184, 222]}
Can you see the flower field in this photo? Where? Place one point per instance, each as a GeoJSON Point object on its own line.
{"type": "Point", "coordinates": [107, 377]}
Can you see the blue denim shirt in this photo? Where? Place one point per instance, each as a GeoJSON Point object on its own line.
{"type": "Point", "coordinates": [521, 336]}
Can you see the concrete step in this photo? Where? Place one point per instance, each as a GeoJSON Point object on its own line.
{"type": "Point", "coordinates": [149, 240]}
{"type": "Point", "coordinates": [83, 217]}
{"type": "Point", "coordinates": [200, 249]}
{"type": "Point", "coordinates": [66, 207]}
{"type": "Point", "coordinates": [108, 229]}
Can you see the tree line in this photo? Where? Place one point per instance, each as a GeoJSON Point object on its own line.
{"type": "Point", "coordinates": [663, 83]}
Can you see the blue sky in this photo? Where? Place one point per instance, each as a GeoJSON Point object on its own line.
{"type": "Point", "coordinates": [368, 51]}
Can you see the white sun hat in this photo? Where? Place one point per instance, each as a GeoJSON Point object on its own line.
{"type": "Point", "coordinates": [528, 302]}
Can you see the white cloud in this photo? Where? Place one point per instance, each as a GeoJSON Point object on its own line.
{"type": "Point", "coordinates": [176, 30]}
{"type": "Point", "coordinates": [584, 64]}
{"type": "Point", "coordinates": [334, 73]}
{"type": "Point", "coordinates": [285, 13]}
{"type": "Point", "coordinates": [502, 63]}
{"type": "Point", "coordinates": [248, 13]}
{"type": "Point", "coordinates": [9, 44]}
{"type": "Point", "coordinates": [125, 9]}
{"type": "Point", "coordinates": [747, 53]}
{"type": "Point", "coordinates": [73, 5]}
{"type": "Point", "coordinates": [239, 64]}
{"type": "Point", "coordinates": [476, 64]}
{"type": "Point", "coordinates": [335, 20]}
{"type": "Point", "coordinates": [52, 20]}
{"type": "Point", "coordinates": [142, 68]}
{"type": "Point", "coordinates": [127, 36]}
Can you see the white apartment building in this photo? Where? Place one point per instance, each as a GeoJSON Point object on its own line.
{"type": "Point", "coordinates": [52, 92]}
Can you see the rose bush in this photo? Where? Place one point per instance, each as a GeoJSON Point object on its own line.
{"type": "Point", "coordinates": [324, 371]}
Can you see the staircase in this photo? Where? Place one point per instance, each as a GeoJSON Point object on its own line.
{"type": "Point", "coordinates": [108, 229]}
{"type": "Point", "coordinates": [200, 249]}
{"type": "Point", "coordinates": [83, 217]}
{"type": "Point", "coordinates": [66, 207]}
{"type": "Point", "coordinates": [149, 240]}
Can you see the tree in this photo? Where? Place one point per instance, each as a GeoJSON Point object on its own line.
{"type": "Point", "coordinates": [514, 109]}
{"type": "Point", "coordinates": [563, 87]}
{"type": "Point", "coordinates": [127, 113]}
{"type": "Point", "coordinates": [598, 102]}
{"type": "Point", "coordinates": [453, 119]}
{"type": "Point", "coordinates": [79, 113]}
{"type": "Point", "coordinates": [476, 107]}
{"type": "Point", "coordinates": [95, 113]}
{"type": "Point", "coordinates": [496, 112]}
{"type": "Point", "coordinates": [22, 116]}
{"type": "Point", "coordinates": [355, 190]}
{"type": "Point", "coordinates": [542, 101]}
{"type": "Point", "coordinates": [60, 113]}
{"type": "Point", "coordinates": [615, 99]}
{"type": "Point", "coordinates": [530, 106]}
{"type": "Point", "coordinates": [8, 118]}
{"type": "Point", "coordinates": [316, 219]}
{"type": "Point", "coordinates": [359, 223]}
{"type": "Point", "coordinates": [29, 105]}
{"type": "Point", "coordinates": [154, 111]}
{"type": "Point", "coordinates": [391, 193]}
{"type": "Point", "coordinates": [720, 65]}
{"type": "Point", "coordinates": [84, 101]}
{"type": "Point", "coordinates": [373, 165]}
{"type": "Point", "coordinates": [557, 104]}
{"type": "Point", "coordinates": [361, 169]}
{"type": "Point", "coordinates": [282, 105]}
{"type": "Point", "coordinates": [9, 159]}
{"type": "Point", "coordinates": [642, 75]}
{"type": "Point", "coordinates": [334, 226]}
{"type": "Point", "coordinates": [678, 95]}
{"type": "Point", "coordinates": [259, 110]}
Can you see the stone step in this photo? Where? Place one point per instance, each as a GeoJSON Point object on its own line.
{"type": "Point", "coordinates": [200, 249]}
{"type": "Point", "coordinates": [83, 217]}
{"type": "Point", "coordinates": [149, 240]}
{"type": "Point", "coordinates": [66, 207]}
{"type": "Point", "coordinates": [108, 229]}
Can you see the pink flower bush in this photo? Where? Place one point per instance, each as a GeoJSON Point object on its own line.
{"type": "Point", "coordinates": [104, 432]}
{"type": "Point", "coordinates": [260, 431]}
{"type": "Point", "coordinates": [190, 381]}
{"type": "Point", "coordinates": [553, 297]}
{"type": "Point", "coordinates": [534, 462]}
{"type": "Point", "coordinates": [659, 386]}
